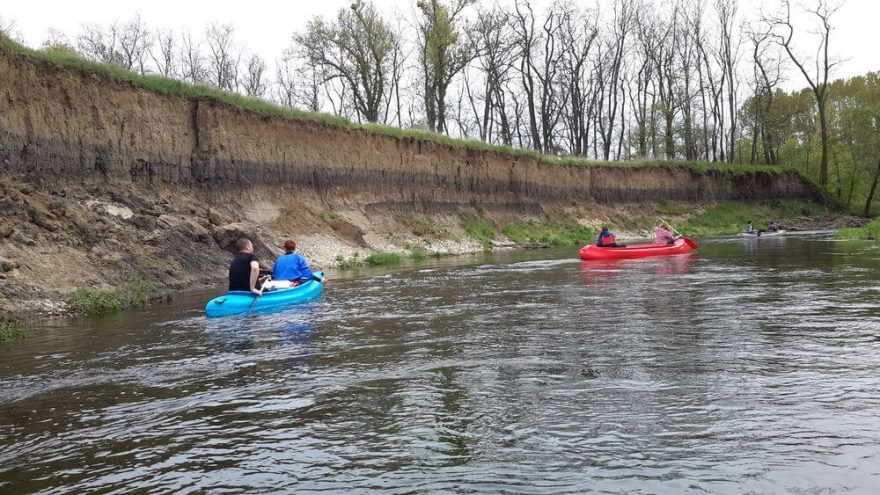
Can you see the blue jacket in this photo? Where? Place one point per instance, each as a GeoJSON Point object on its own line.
{"type": "Point", "coordinates": [604, 233]}
{"type": "Point", "coordinates": [291, 266]}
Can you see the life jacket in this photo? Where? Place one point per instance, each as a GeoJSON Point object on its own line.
{"type": "Point", "coordinates": [608, 240]}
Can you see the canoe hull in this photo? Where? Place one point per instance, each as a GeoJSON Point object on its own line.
{"type": "Point", "coordinates": [590, 252]}
{"type": "Point", "coordinates": [240, 302]}
{"type": "Point", "coordinates": [763, 234]}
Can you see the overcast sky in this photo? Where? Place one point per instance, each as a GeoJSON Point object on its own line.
{"type": "Point", "coordinates": [265, 27]}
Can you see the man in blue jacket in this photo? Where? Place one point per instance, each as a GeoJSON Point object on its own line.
{"type": "Point", "coordinates": [292, 266]}
{"type": "Point", "coordinates": [606, 239]}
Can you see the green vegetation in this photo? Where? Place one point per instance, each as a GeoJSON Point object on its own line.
{"type": "Point", "coordinates": [870, 232]}
{"type": "Point", "coordinates": [480, 229]}
{"type": "Point", "coordinates": [90, 302]}
{"type": "Point", "coordinates": [422, 227]}
{"type": "Point", "coordinates": [380, 259]}
{"type": "Point", "coordinates": [384, 259]}
{"type": "Point", "coordinates": [349, 263]}
{"type": "Point", "coordinates": [9, 331]}
{"type": "Point", "coordinates": [567, 233]}
{"type": "Point", "coordinates": [731, 217]}
{"type": "Point", "coordinates": [68, 60]}
{"type": "Point", "coordinates": [790, 135]}
{"type": "Point", "coordinates": [667, 207]}
{"type": "Point", "coordinates": [134, 291]}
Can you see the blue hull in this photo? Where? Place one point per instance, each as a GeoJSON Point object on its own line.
{"type": "Point", "coordinates": [239, 302]}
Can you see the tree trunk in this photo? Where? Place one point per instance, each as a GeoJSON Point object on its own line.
{"type": "Point", "coordinates": [823, 125]}
{"type": "Point", "coordinates": [873, 189]}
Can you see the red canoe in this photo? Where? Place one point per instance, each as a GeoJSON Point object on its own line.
{"type": "Point", "coordinates": [591, 252]}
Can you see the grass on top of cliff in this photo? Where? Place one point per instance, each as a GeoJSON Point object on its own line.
{"type": "Point", "coordinates": [68, 59]}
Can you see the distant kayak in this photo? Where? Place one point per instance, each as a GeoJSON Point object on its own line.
{"type": "Point", "coordinates": [761, 234]}
{"type": "Point", "coordinates": [241, 302]}
{"type": "Point", "coordinates": [591, 252]}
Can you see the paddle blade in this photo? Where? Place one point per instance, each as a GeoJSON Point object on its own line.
{"type": "Point", "coordinates": [690, 243]}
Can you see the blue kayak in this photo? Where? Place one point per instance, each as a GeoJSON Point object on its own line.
{"type": "Point", "coordinates": [238, 302]}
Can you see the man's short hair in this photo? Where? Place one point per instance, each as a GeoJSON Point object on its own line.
{"type": "Point", "coordinates": [242, 243]}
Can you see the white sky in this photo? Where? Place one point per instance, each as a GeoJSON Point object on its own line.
{"type": "Point", "coordinates": [265, 27]}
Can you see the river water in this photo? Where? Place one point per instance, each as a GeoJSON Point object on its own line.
{"type": "Point", "coordinates": [753, 366]}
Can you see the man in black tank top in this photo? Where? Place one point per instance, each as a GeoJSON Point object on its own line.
{"type": "Point", "coordinates": [244, 269]}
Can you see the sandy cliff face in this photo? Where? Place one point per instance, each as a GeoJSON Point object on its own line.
{"type": "Point", "coordinates": [116, 178]}
{"type": "Point", "coordinates": [59, 125]}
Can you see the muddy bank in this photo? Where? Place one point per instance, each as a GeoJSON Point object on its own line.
{"type": "Point", "coordinates": [104, 182]}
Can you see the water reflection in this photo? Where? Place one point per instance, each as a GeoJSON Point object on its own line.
{"type": "Point", "coordinates": [743, 368]}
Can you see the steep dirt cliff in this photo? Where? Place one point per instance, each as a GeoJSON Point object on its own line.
{"type": "Point", "coordinates": [102, 178]}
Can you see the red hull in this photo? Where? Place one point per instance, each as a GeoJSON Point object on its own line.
{"type": "Point", "coordinates": [591, 252]}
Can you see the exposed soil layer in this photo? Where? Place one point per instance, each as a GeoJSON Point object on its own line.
{"type": "Point", "coordinates": [102, 179]}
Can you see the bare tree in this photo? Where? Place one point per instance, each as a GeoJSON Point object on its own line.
{"type": "Point", "coordinates": [524, 26]}
{"type": "Point", "coordinates": [8, 28]}
{"type": "Point", "coordinates": [254, 81]}
{"type": "Point", "coordinates": [135, 41]}
{"type": "Point", "coordinates": [444, 53]}
{"type": "Point", "coordinates": [100, 44]}
{"type": "Point", "coordinates": [193, 68]}
{"type": "Point", "coordinates": [56, 39]}
{"type": "Point", "coordinates": [818, 81]}
{"type": "Point", "coordinates": [164, 52]}
{"type": "Point", "coordinates": [223, 58]}
{"type": "Point", "coordinates": [767, 73]}
{"type": "Point", "coordinates": [608, 70]}
{"type": "Point", "coordinates": [728, 55]}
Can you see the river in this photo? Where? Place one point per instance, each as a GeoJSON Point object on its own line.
{"type": "Point", "coordinates": [753, 366]}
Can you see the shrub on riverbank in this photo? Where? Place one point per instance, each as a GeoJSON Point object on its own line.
{"type": "Point", "coordinates": [91, 302]}
{"type": "Point", "coordinates": [870, 232]}
{"type": "Point", "coordinates": [551, 233]}
{"type": "Point", "coordinates": [9, 331]}
{"type": "Point", "coordinates": [380, 259]}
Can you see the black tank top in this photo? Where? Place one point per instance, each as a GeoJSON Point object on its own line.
{"type": "Point", "coordinates": [240, 271]}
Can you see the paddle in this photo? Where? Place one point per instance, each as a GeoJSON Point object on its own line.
{"type": "Point", "coordinates": [251, 309]}
{"type": "Point", "coordinates": [257, 296]}
{"type": "Point", "coordinates": [687, 240]}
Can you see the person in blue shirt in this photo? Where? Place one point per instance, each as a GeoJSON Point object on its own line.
{"type": "Point", "coordinates": [292, 266]}
{"type": "Point", "coordinates": [606, 239]}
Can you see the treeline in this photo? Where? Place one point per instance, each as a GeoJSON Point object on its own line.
{"type": "Point", "coordinates": [617, 80]}
{"type": "Point", "coordinates": [785, 128]}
